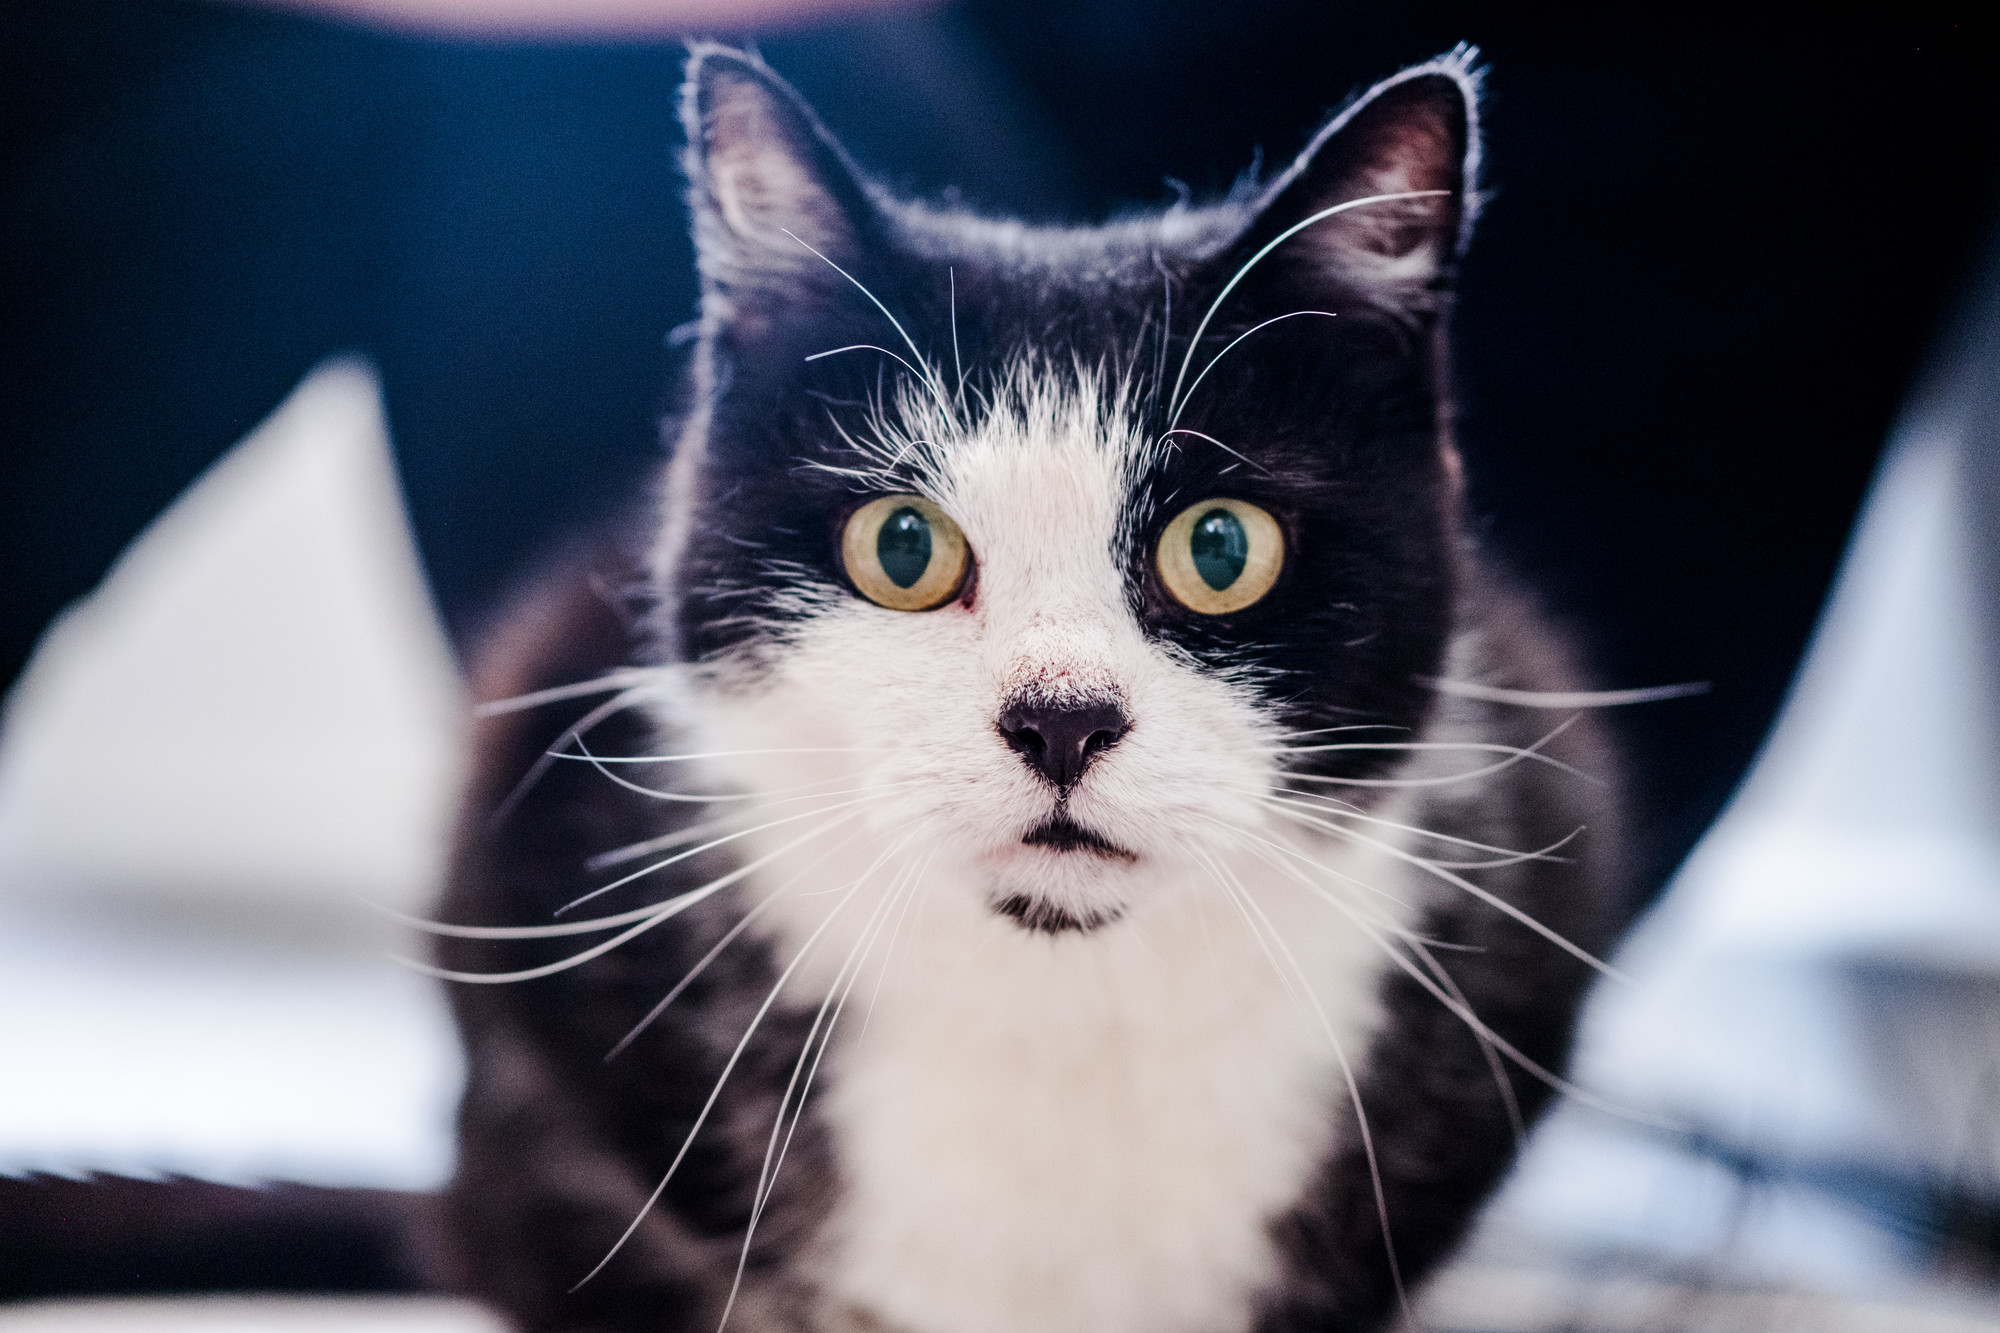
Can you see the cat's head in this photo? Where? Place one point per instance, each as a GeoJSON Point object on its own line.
{"type": "Point", "coordinates": [1053, 548]}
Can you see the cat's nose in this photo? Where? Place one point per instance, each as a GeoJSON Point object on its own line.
{"type": "Point", "coordinates": [1059, 740]}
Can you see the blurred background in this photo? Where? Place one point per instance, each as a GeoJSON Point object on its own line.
{"type": "Point", "coordinates": [322, 323]}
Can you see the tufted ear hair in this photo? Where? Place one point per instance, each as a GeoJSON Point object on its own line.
{"type": "Point", "coordinates": [768, 185]}
{"type": "Point", "coordinates": [1413, 135]}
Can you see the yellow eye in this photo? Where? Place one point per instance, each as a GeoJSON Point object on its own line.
{"type": "Point", "coordinates": [1221, 556]}
{"type": "Point", "coordinates": [903, 552]}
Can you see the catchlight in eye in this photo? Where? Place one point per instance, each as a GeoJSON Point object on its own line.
{"type": "Point", "coordinates": [905, 553]}
{"type": "Point", "coordinates": [1221, 556]}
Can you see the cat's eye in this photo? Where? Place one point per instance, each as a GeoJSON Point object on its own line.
{"type": "Point", "coordinates": [903, 552]}
{"type": "Point", "coordinates": [1221, 556]}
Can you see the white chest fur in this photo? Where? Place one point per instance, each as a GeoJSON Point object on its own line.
{"type": "Point", "coordinates": [1086, 1132]}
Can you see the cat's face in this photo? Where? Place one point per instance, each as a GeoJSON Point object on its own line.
{"type": "Point", "coordinates": [972, 529]}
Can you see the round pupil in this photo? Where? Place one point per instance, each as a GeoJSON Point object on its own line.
{"type": "Point", "coordinates": [1220, 548]}
{"type": "Point", "coordinates": [904, 547]}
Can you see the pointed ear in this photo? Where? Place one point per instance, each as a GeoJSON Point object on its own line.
{"type": "Point", "coordinates": [1413, 135]}
{"type": "Point", "coordinates": [760, 165]}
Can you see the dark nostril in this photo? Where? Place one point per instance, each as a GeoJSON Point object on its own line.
{"type": "Point", "coordinates": [1022, 737]}
{"type": "Point", "coordinates": [1060, 740]}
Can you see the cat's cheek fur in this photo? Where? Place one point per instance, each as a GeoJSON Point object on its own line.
{"type": "Point", "coordinates": [912, 757]}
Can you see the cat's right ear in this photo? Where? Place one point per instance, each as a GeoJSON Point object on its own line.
{"type": "Point", "coordinates": [776, 203]}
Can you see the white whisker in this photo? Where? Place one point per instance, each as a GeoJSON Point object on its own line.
{"type": "Point", "coordinates": [617, 680]}
{"type": "Point", "coordinates": [727, 754]}
{"type": "Point", "coordinates": [1565, 699]}
{"type": "Point", "coordinates": [889, 953]}
{"type": "Point", "coordinates": [1422, 948]}
{"type": "Point", "coordinates": [1226, 351]}
{"type": "Point", "coordinates": [851, 443]}
{"type": "Point", "coordinates": [1295, 854]}
{"type": "Point", "coordinates": [1464, 1013]}
{"type": "Point", "coordinates": [958, 365]}
{"type": "Point", "coordinates": [573, 734]}
{"type": "Point", "coordinates": [1182, 430]}
{"type": "Point", "coordinates": [1517, 858]}
{"type": "Point", "coordinates": [1477, 747]}
{"type": "Point", "coordinates": [648, 919]}
{"type": "Point", "coordinates": [1507, 856]}
{"type": "Point", "coordinates": [714, 843]}
{"type": "Point", "coordinates": [867, 347]}
{"type": "Point", "coordinates": [1490, 899]}
{"type": "Point", "coordinates": [1173, 401]}
{"type": "Point", "coordinates": [715, 1094]}
{"type": "Point", "coordinates": [1349, 726]}
{"type": "Point", "coordinates": [1263, 847]}
{"type": "Point", "coordinates": [1247, 903]}
{"type": "Point", "coordinates": [728, 938]}
{"type": "Point", "coordinates": [682, 798]}
{"type": "Point", "coordinates": [1517, 1123]}
{"type": "Point", "coordinates": [566, 928]}
{"type": "Point", "coordinates": [632, 851]}
{"type": "Point", "coordinates": [774, 1152]}
{"type": "Point", "coordinates": [928, 379]}
{"type": "Point", "coordinates": [1514, 756]}
{"type": "Point", "coordinates": [715, 952]}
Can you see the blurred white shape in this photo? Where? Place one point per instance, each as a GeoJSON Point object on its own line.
{"type": "Point", "coordinates": [251, 726]}
{"type": "Point", "coordinates": [141, 1042]}
{"type": "Point", "coordinates": [1594, 1190]}
{"type": "Point", "coordinates": [252, 1314]}
{"type": "Point", "coordinates": [1817, 996]}
{"type": "Point", "coordinates": [1867, 826]}
{"type": "Point", "coordinates": [257, 700]}
{"type": "Point", "coordinates": [1863, 835]}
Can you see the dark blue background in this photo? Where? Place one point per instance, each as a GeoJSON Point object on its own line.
{"type": "Point", "coordinates": [1719, 243]}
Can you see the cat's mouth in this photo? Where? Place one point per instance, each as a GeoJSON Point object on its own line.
{"type": "Point", "coordinates": [1057, 891]}
{"type": "Point", "coordinates": [1060, 833]}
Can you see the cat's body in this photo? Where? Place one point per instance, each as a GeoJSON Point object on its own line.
{"type": "Point", "coordinates": [1087, 902]}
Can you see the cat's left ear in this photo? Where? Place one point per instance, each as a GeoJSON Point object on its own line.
{"type": "Point", "coordinates": [776, 202]}
{"type": "Point", "coordinates": [1379, 204]}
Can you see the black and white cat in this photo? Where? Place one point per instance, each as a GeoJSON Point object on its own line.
{"type": "Point", "coordinates": [1076, 840]}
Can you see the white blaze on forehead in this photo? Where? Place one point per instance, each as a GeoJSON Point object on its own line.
{"type": "Point", "coordinates": [1039, 485]}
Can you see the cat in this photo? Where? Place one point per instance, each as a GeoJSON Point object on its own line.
{"type": "Point", "coordinates": [1046, 819]}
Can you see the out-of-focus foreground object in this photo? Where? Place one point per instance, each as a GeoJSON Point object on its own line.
{"type": "Point", "coordinates": [1812, 1038]}
{"type": "Point", "coordinates": [250, 729]}
{"type": "Point", "coordinates": [585, 18]}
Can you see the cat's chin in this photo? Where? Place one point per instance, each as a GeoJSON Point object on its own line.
{"type": "Point", "coordinates": [1061, 878]}
{"type": "Point", "coordinates": [1046, 918]}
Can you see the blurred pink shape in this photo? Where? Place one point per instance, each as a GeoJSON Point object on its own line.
{"type": "Point", "coordinates": [585, 18]}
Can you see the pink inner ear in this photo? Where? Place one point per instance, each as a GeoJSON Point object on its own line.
{"type": "Point", "coordinates": [1410, 135]}
{"type": "Point", "coordinates": [761, 186]}
{"type": "Point", "coordinates": [1410, 162]}
{"type": "Point", "coordinates": [1409, 140]}
{"type": "Point", "coordinates": [1418, 152]}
